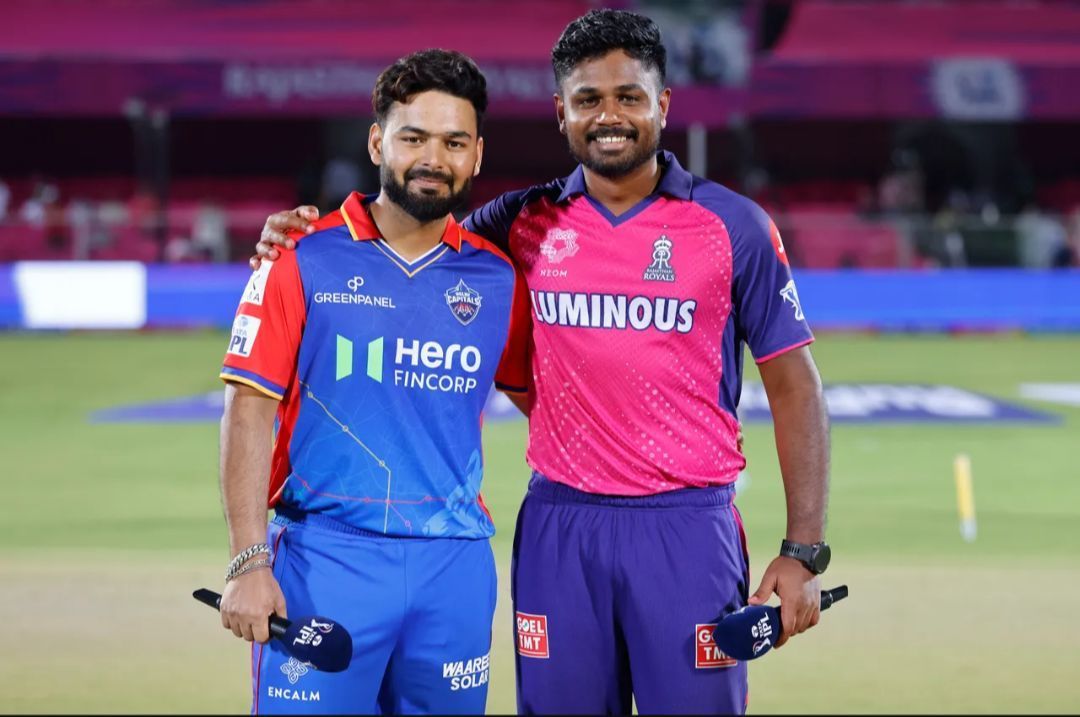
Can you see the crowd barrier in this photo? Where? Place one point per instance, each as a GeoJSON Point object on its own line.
{"type": "Point", "coordinates": [130, 295]}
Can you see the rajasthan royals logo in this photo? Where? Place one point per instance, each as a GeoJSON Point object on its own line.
{"type": "Point", "coordinates": [792, 297]}
{"type": "Point", "coordinates": [560, 244]}
{"type": "Point", "coordinates": [660, 269]}
{"type": "Point", "coordinates": [464, 302]}
{"type": "Point", "coordinates": [294, 670]}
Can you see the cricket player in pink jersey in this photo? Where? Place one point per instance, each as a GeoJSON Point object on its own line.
{"type": "Point", "coordinates": [646, 284]}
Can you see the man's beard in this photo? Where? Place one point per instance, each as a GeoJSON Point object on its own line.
{"type": "Point", "coordinates": [615, 168]}
{"type": "Point", "coordinates": [423, 207]}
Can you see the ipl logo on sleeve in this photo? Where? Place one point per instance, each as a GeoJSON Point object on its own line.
{"type": "Point", "coordinates": [244, 331]}
{"type": "Point", "coordinates": [464, 302]}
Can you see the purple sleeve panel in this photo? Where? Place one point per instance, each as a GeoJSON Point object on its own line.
{"type": "Point", "coordinates": [765, 303]}
{"type": "Point", "coordinates": [494, 220]}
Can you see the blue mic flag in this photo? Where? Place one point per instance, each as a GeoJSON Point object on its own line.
{"type": "Point", "coordinates": [314, 640]}
{"type": "Point", "coordinates": [318, 641]}
{"type": "Point", "coordinates": [751, 631]}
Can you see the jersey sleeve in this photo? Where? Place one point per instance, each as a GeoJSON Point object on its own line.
{"type": "Point", "coordinates": [266, 332]}
{"type": "Point", "coordinates": [493, 220]}
{"type": "Point", "coordinates": [512, 375]}
{"type": "Point", "coordinates": [767, 308]}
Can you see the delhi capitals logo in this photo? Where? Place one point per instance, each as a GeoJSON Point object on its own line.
{"type": "Point", "coordinates": [559, 244]}
{"type": "Point", "coordinates": [660, 269]}
{"type": "Point", "coordinates": [294, 670]}
{"type": "Point", "coordinates": [464, 302]}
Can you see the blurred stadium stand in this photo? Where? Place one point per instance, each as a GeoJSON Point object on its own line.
{"type": "Point", "coordinates": [892, 133]}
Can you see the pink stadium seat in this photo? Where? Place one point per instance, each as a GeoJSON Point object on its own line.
{"type": "Point", "coordinates": [130, 244]}
{"type": "Point", "coordinates": [822, 237]}
{"type": "Point", "coordinates": [227, 190]}
{"type": "Point", "coordinates": [20, 242]}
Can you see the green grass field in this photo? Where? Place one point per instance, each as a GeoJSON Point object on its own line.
{"type": "Point", "coordinates": [108, 527]}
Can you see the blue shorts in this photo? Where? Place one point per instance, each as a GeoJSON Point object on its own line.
{"type": "Point", "coordinates": [419, 611]}
{"type": "Point", "coordinates": [618, 596]}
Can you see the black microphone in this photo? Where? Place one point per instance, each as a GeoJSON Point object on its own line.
{"type": "Point", "coordinates": [751, 631]}
{"type": "Point", "coordinates": [313, 640]}
{"type": "Point", "coordinates": [828, 597]}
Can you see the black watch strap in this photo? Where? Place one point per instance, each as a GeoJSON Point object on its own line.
{"type": "Point", "coordinates": [815, 557]}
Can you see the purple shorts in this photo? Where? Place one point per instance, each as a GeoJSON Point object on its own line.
{"type": "Point", "coordinates": [618, 596]}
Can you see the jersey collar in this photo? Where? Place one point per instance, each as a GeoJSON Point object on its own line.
{"type": "Point", "coordinates": [674, 180]}
{"type": "Point", "coordinates": [362, 227]}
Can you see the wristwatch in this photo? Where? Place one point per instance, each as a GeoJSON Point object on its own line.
{"type": "Point", "coordinates": [815, 557]}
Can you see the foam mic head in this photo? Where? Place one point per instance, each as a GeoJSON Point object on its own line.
{"type": "Point", "coordinates": [324, 644]}
{"type": "Point", "coordinates": [749, 632]}
{"type": "Point", "coordinates": [317, 641]}
{"type": "Point", "coordinates": [752, 631]}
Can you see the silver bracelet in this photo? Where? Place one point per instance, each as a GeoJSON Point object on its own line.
{"type": "Point", "coordinates": [253, 565]}
{"type": "Point", "coordinates": [244, 556]}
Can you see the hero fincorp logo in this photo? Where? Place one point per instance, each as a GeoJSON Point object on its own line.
{"type": "Point", "coordinates": [614, 311]}
{"type": "Point", "coordinates": [353, 296]}
{"type": "Point", "coordinates": [449, 363]}
{"type": "Point", "coordinates": [466, 674]}
{"type": "Point", "coordinates": [423, 365]}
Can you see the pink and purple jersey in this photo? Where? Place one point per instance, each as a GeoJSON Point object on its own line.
{"type": "Point", "coordinates": [639, 323]}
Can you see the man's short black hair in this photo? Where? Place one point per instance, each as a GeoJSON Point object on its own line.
{"type": "Point", "coordinates": [446, 71]}
{"type": "Point", "coordinates": [598, 32]}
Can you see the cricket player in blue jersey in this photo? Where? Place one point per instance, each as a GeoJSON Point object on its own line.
{"type": "Point", "coordinates": [374, 345]}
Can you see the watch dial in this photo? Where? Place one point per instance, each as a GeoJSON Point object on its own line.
{"type": "Point", "coordinates": [821, 559]}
